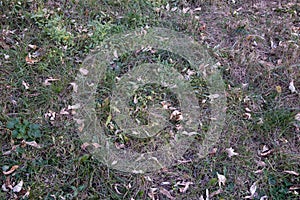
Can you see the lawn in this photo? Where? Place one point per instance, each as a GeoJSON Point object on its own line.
{"type": "Point", "coordinates": [45, 51]}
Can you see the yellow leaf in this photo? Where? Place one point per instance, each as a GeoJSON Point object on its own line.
{"type": "Point", "coordinates": [278, 89]}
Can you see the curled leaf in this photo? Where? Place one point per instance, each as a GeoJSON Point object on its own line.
{"type": "Point", "coordinates": [12, 169]}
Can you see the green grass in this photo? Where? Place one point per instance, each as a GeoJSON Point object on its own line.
{"type": "Point", "coordinates": [65, 33]}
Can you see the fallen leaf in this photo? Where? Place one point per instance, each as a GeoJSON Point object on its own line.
{"type": "Point", "coordinates": [174, 9]}
{"type": "Point", "coordinates": [264, 198]}
{"type": "Point", "coordinates": [265, 148]}
{"type": "Point", "coordinates": [278, 89]}
{"type": "Point", "coordinates": [4, 189]}
{"type": "Point", "coordinates": [247, 116]}
{"type": "Point", "coordinates": [219, 191]}
{"type": "Point", "coordinates": [230, 152]}
{"type": "Point", "coordinates": [18, 187]}
{"type": "Point", "coordinates": [221, 179]}
{"type": "Point", "coordinates": [12, 169]}
{"type": "Point", "coordinates": [33, 144]}
{"type": "Point", "coordinates": [29, 60]}
{"type": "Point", "coordinates": [186, 186]}
{"type": "Point", "coordinates": [73, 107]}
{"type": "Point", "coordinates": [292, 87]}
{"type": "Point", "coordinates": [85, 145]}
{"type": "Point", "coordinates": [75, 87]}
{"type": "Point", "coordinates": [96, 145]}
{"type": "Point", "coordinates": [152, 193]}
{"type": "Point", "coordinates": [185, 10]}
{"type": "Point", "coordinates": [64, 112]}
{"type": "Point", "coordinates": [26, 195]}
{"type": "Point", "coordinates": [207, 194]}
{"type": "Point", "coordinates": [258, 171]}
{"type": "Point", "coordinates": [176, 115]}
{"type": "Point", "coordinates": [166, 193]}
{"type": "Point", "coordinates": [265, 151]}
{"type": "Point", "coordinates": [252, 191]}
{"type": "Point", "coordinates": [26, 85]}
{"type": "Point", "coordinates": [83, 71]}
{"type": "Point", "coordinates": [168, 7]}
{"type": "Point", "coordinates": [295, 187]}
{"type": "Point", "coordinates": [213, 96]}
{"type": "Point", "coordinates": [297, 117]}
{"type": "Point", "coordinates": [116, 188]}
{"type": "Point", "coordinates": [291, 172]}
{"type": "Point", "coordinates": [50, 115]}
{"type": "Point", "coordinates": [6, 57]}
{"type": "Point", "coordinates": [48, 81]}
{"type": "Point", "coordinates": [32, 46]}
{"type": "Point", "coordinates": [116, 54]}
{"type": "Point", "coordinates": [247, 110]}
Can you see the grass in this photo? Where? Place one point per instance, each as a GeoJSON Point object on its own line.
{"type": "Point", "coordinates": [256, 44]}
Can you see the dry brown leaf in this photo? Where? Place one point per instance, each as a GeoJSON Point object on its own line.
{"type": "Point", "coordinates": [230, 152]}
{"type": "Point", "coordinates": [166, 193]}
{"type": "Point", "coordinates": [12, 169]}
{"type": "Point", "coordinates": [30, 60]}
{"type": "Point", "coordinates": [291, 172]}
